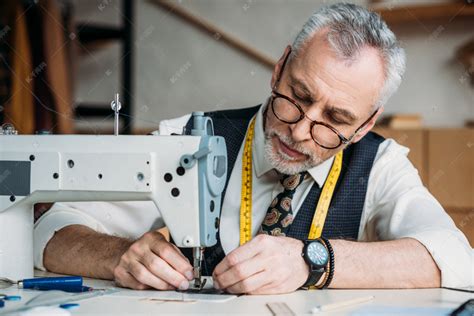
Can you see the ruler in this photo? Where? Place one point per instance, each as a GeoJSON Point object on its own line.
{"type": "Point", "coordinates": [280, 309]}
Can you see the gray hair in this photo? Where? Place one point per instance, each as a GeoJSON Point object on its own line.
{"type": "Point", "coordinates": [351, 28]}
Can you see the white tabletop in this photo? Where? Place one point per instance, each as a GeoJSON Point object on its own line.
{"type": "Point", "coordinates": [300, 302]}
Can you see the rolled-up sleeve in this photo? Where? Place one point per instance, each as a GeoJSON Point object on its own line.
{"type": "Point", "coordinates": [59, 216]}
{"type": "Point", "coordinates": [399, 206]}
{"type": "Point", "coordinates": [124, 219]}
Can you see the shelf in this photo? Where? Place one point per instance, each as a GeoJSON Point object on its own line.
{"type": "Point", "coordinates": [94, 110]}
{"type": "Point", "coordinates": [88, 33]}
{"type": "Point", "coordinates": [416, 13]}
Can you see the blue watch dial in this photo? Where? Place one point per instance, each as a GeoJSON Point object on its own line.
{"type": "Point", "coordinates": [317, 253]}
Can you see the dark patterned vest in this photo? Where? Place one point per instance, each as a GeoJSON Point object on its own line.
{"type": "Point", "coordinates": [345, 210]}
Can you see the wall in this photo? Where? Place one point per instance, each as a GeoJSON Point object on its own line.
{"type": "Point", "coordinates": [179, 69]}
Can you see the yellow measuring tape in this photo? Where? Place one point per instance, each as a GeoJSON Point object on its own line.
{"type": "Point", "coordinates": [322, 207]}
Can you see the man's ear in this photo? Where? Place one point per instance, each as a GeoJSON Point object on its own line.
{"type": "Point", "coordinates": [368, 126]}
{"type": "Point", "coordinates": [278, 66]}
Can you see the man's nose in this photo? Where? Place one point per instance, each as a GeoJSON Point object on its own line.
{"type": "Point", "coordinates": [300, 131]}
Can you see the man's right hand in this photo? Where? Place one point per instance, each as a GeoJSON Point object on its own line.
{"type": "Point", "coordinates": [153, 262]}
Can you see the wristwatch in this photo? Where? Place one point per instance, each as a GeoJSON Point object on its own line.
{"type": "Point", "coordinates": [316, 255]}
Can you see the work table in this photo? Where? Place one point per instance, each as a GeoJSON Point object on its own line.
{"type": "Point", "coordinates": [442, 301]}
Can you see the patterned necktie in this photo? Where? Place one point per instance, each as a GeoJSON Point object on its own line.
{"type": "Point", "coordinates": [280, 215]}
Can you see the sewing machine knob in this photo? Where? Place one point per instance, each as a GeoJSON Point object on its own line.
{"type": "Point", "coordinates": [8, 129]}
{"type": "Point", "coordinates": [219, 166]}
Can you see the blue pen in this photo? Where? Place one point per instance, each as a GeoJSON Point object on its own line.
{"type": "Point", "coordinates": [68, 284]}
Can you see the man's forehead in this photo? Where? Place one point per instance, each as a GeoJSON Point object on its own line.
{"type": "Point", "coordinates": [317, 67]}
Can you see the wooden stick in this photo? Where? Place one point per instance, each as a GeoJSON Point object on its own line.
{"type": "Point", "coordinates": [330, 307]}
{"type": "Point", "coordinates": [217, 33]}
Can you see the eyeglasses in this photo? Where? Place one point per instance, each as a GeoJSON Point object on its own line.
{"type": "Point", "coordinates": [289, 111]}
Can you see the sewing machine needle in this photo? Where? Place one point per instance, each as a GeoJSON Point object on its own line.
{"type": "Point", "coordinates": [197, 264]}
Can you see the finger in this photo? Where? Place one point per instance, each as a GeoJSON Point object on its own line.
{"type": "Point", "coordinates": [125, 279]}
{"type": "Point", "coordinates": [142, 275]}
{"type": "Point", "coordinates": [174, 258]}
{"type": "Point", "coordinates": [179, 252]}
{"type": "Point", "coordinates": [250, 284]}
{"type": "Point", "coordinates": [241, 272]}
{"type": "Point", "coordinates": [164, 271]}
{"type": "Point", "coordinates": [240, 254]}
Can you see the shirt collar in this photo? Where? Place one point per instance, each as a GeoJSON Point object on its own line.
{"type": "Point", "coordinates": [262, 165]}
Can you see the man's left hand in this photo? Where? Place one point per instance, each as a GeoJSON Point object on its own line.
{"type": "Point", "coordinates": [264, 265]}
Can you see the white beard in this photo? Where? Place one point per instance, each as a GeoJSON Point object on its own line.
{"type": "Point", "coordinates": [284, 163]}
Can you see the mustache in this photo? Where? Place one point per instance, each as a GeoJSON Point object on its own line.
{"type": "Point", "coordinates": [289, 142]}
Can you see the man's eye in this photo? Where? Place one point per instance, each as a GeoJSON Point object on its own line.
{"type": "Point", "coordinates": [303, 99]}
{"type": "Point", "coordinates": [298, 96]}
{"type": "Point", "coordinates": [334, 120]}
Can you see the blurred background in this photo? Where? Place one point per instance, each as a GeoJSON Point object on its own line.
{"type": "Point", "coordinates": [61, 62]}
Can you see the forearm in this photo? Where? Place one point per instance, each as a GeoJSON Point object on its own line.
{"type": "Point", "coordinates": [77, 249]}
{"type": "Point", "coordinates": [403, 263]}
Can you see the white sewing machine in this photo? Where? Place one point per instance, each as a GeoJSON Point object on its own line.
{"type": "Point", "coordinates": [183, 175]}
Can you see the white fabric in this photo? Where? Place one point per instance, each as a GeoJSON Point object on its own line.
{"type": "Point", "coordinates": [397, 205]}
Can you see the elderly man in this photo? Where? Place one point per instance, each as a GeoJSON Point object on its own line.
{"type": "Point", "coordinates": [326, 203]}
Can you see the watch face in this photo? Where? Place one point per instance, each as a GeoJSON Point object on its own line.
{"type": "Point", "coordinates": [317, 253]}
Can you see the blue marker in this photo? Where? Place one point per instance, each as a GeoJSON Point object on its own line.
{"type": "Point", "coordinates": [69, 306]}
{"type": "Point", "coordinates": [12, 298]}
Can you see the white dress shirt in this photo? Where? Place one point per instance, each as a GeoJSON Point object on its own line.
{"type": "Point", "coordinates": [397, 205]}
